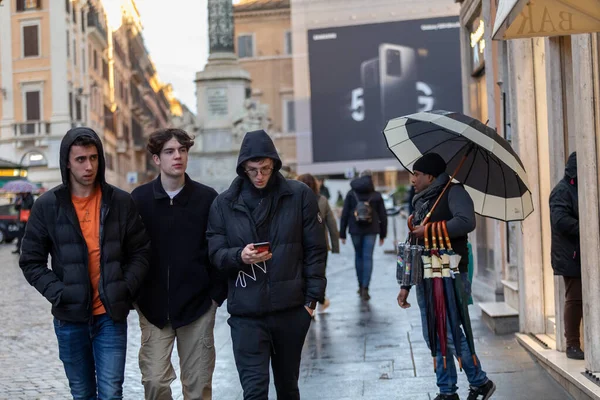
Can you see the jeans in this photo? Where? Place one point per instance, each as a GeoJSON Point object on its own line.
{"type": "Point", "coordinates": [447, 378]}
{"type": "Point", "coordinates": [363, 247]}
{"type": "Point", "coordinates": [93, 355]}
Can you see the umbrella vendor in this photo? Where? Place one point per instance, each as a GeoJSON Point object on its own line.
{"type": "Point", "coordinates": [456, 208]}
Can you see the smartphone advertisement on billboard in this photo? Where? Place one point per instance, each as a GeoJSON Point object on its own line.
{"type": "Point", "coordinates": [362, 76]}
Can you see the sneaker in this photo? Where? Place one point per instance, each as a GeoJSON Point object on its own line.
{"type": "Point", "coordinates": [482, 392]}
{"type": "Point", "coordinates": [323, 306]}
{"type": "Point", "coordinates": [447, 397]}
{"type": "Point", "coordinates": [16, 251]}
{"type": "Point", "coordinates": [575, 353]}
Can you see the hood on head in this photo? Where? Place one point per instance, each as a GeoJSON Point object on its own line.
{"type": "Point", "coordinates": [257, 144]}
{"type": "Point", "coordinates": [364, 184]}
{"type": "Point", "coordinates": [65, 147]}
{"type": "Point", "coordinates": [571, 167]}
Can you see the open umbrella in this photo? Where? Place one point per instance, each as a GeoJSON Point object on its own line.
{"type": "Point", "coordinates": [439, 299]}
{"type": "Point", "coordinates": [475, 154]}
{"type": "Point", "coordinates": [19, 186]}
{"type": "Point", "coordinates": [454, 320]}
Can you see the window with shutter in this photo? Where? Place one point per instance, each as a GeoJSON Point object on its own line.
{"type": "Point", "coordinates": [245, 46]}
{"type": "Point", "coordinates": [290, 116]}
{"type": "Point", "coordinates": [288, 42]}
{"type": "Point", "coordinates": [31, 45]}
{"type": "Point", "coordinates": [32, 104]}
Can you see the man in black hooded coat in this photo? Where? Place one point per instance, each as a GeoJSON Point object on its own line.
{"type": "Point", "coordinates": [272, 294]}
{"type": "Point", "coordinates": [565, 254]}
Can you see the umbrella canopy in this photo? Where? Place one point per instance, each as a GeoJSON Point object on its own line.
{"type": "Point", "coordinates": [19, 186]}
{"type": "Point", "coordinates": [475, 154]}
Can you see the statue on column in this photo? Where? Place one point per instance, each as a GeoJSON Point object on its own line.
{"type": "Point", "coordinates": [254, 116]}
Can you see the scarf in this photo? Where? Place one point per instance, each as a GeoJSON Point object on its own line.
{"type": "Point", "coordinates": [423, 201]}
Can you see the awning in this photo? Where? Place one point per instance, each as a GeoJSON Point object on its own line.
{"type": "Point", "coordinates": [536, 18]}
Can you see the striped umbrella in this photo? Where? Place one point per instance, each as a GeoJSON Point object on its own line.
{"type": "Point", "coordinates": [475, 154]}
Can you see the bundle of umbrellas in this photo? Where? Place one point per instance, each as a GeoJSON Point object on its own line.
{"type": "Point", "coordinates": [446, 300]}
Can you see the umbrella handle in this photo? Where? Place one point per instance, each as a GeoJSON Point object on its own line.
{"type": "Point", "coordinates": [409, 222]}
{"type": "Point", "coordinates": [439, 232]}
{"type": "Point", "coordinates": [445, 229]}
{"type": "Point", "coordinates": [433, 238]}
{"type": "Point", "coordinates": [426, 237]}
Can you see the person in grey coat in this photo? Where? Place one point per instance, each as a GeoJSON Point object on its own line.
{"type": "Point", "coordinates": [330, 224]}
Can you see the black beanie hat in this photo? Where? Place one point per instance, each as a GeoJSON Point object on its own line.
{"type": "Point", "coordinates": [431, 164]}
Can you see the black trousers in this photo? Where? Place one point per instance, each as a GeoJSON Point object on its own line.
{"type": "Point", "coordinates": [276, 338]}
{"type": "Point", "coordinates": [573, 310]}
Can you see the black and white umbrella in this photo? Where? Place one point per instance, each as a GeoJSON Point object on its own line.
{"type": "Point", "coordinates": [475, 154]}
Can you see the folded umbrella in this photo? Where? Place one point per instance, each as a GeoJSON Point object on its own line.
{"type": "Point", "coordinates": [451, 304]}
{"type": "Point", "coordinates": [438, 296]}
{"type": "Point", "coordinates": [429, 303]}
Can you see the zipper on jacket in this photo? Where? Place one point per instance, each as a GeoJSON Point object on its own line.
{"type": "Point", "coordinates": [103, 217]}
{"type": "Point", "coordinates": [168, 292]}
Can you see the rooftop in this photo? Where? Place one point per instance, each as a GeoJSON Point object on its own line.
{"type": "Point", "coordinates": [260, 5]}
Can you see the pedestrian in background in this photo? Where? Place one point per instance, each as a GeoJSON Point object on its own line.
{"type": "Point", "coordinates": [566, 254]}
{"type": "Point", "coordinates": [323, 190]}
{"type": "Point", "coordinates": [456, 207]}
{"type": "Point", "coordinates": [100, 253]}
{"type": "Point", "coordinates": [365, 217]}
{"type": "Point", "coordinates": [330, 225]}
{"type": "Point", "coordinates": [180, 296]}
{"type": "Point", "coordinates": [273, 287]}
{"type": "Point", "coordinates": [23, 204]}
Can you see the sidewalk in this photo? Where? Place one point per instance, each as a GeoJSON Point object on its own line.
{"type": "Point", "coordinates": [368, 351]}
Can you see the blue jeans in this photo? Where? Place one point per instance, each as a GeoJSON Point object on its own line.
{"type": "Point", "coordinates": [363, 248]}
{"type": "Point", "coordinates": [447, 378]}
{"type": "Point", "coordinates": [93, 352]}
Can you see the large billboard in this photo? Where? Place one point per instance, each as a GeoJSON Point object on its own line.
{"type": "Point", "coordinates": [361, 76]}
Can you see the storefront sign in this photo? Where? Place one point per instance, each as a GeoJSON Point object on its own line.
{"type": "Point", "coordinates": [477, 46]}
{"type": "Point", "coordinates": [523, 19]}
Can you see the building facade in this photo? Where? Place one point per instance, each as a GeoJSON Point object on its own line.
{"type": "Point", "coordinates": [61, 66]}
{"type": "Point", "coordinates": [263, 43]}
{"type": "Point", "coordinates": [533, 70]}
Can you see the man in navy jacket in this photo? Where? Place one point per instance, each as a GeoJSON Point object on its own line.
{"type": "Point", "coordinates": [181, 294]}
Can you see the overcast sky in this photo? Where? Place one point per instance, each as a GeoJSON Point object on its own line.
{"type": "Point", "coordinates": [175, 34]}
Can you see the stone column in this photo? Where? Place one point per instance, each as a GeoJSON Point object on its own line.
{"type": "Point", "coordinates": [221, 90]}
{"type": "Point", "coordinates": [531, 271]}
{"type": "Point", "coordinates": [586, 126]}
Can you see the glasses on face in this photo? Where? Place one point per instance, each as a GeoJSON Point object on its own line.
{"type": "Point", "coordinates": [264, 171]}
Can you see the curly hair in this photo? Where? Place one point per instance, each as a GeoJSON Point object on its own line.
{"type": "Point", "coordinates": [157, 139]}
{"type": "Point", "coordinates": [309, 181]}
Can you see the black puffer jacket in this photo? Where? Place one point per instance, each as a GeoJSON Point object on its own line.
{"type": "Point", "coordinates": [564, 219]}
{"type": "Point", "coordinates": [53, 228]}
{"type": "Point", "coordinates": [296, 273]}
{"type": "Point", "coordinates": [363, 189]}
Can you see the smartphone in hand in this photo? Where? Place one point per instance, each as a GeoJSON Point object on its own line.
{"type": "Point", "coordinates": [262, 247]}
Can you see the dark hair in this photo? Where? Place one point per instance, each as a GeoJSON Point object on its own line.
{"type": "Point", "coordinates": [84, 141]}
{"type": "Point", "coordinates": [157, 139]}
{"type": "Point", "coordinates": [309, 181]}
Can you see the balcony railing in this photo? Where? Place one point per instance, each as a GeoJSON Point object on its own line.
{"type": "Point", "coordinates": [31, 128]}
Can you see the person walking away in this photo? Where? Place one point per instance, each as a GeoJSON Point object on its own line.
{"type": "Point", "coordinates": [330, 225]}
{"type": "Point", "coordinates": [100, 254]}
{"type": "Point", "coordinates": [456, 207]}
{"type": "Point", "coordinates": [180, 296]}
{"type": "Point", "coordinates": [23, 205]}
{"type": "Point", "coordinates": [364, 216]}
{"type": "Point", "coordinates": [565, 252]}
{"type": "Point", "coordinates": [266, 234]}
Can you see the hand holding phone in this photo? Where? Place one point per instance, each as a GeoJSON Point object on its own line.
{"type": "Point", "coordinates": [256, 253]}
